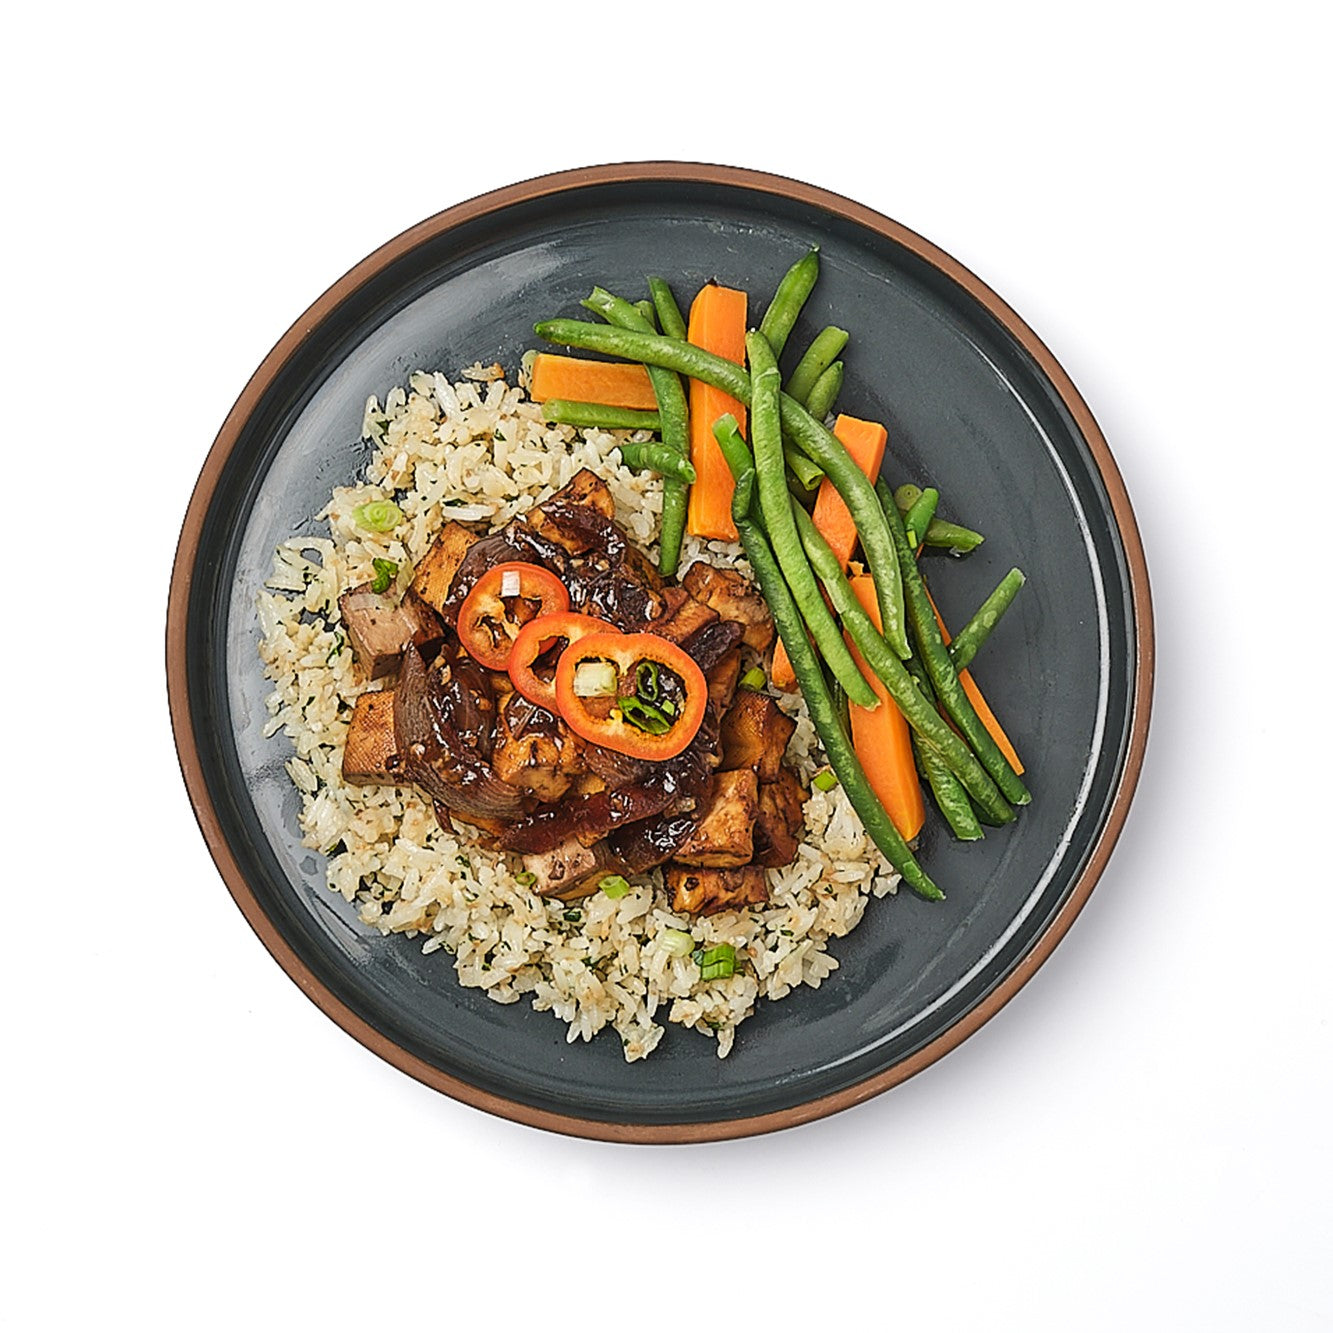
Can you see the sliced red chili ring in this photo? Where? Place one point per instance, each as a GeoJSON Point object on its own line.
{"type": "Point", "coordinates": [638, 694]}
{"type": "Point", "coordinates": [548, 637]}
{"type": "Point", "coordinates": [501, 602]}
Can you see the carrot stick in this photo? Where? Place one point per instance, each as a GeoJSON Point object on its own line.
{"type": "Point", "coordinates": [973, 692]}
{"type": "Point", "coordinates": [611, 383]}
{"type": "Point", "coordinates": [717, 323]}
{"type": "Point", "coordinates": [865, 441]}
{"type": "Point", "coordinates": [882, 739]}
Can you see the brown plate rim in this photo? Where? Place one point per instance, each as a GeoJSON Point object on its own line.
{"type": "Point", "coordinates": [525, 191]}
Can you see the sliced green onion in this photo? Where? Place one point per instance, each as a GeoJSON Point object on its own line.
{"type": "Point", "coordinates": [378, 515]}
{"type": "Point", "coordinates": [754, 679]}
{"type": "Point", "coordinates": [614, 886]}
{"type": "Point", "coordinates": [676, 942]}
{"type": "Point", "coordinates": [595, 678]}
{"type": "Point", "coordinates": [825, 779]}
{"type": "Point", "coordinates": [719, 961]}
{"type": "Point", "coordinates": [645, 681]}
{"type": "Point", "coordinates": [385, 573]}
{"type": "Point", "coordinates": [525, 877]}
{"type": "Point", "coordinates": [646, 717]}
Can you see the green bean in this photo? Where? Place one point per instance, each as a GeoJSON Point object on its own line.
{"type": "Point", "coordinates": [808, 473]}
{"type": "Point", "coordinates": [810, 435]}
{"type": "Point", "coordinates": [796, 285]}
{"type": "Point", "coordinates": [668, 312]}
{"type": "Point", "coordinates": [567, 412]}
{"type": "Point", "coordinates": [939, 666]}
{"type": "Point", "coordinates": [819, 356]}
{"type": "Point", "coordinates": [939, 532]}
{"type": "Point", "coordinates": [649, 311]}
{"type": "Point", "coordinates": [776, 506]}
{"type": "Point", "coordinates": [984, 619]}
{"type": "Point", "coordinates": [948, 792]}
{"type": "Point", "coordinates": [915, 707]}
{"type": "Point", "coordinates": [827, 388]}
{"type": "Point", "coordinates": [841, 704]}
{"type": "Point", "coordinates": [918, 517]}
{"type": "Point", "coordinates": [727, 433]}
{"type": "Point", "coordinates": [823, 712]}
{"type": "Point", "coordinates": [906, 496]}
{"type": "Point", "coordinates": [657, 457]}
{"type": "Point", "coordinates": [952, 537]}
{"type": "Point", "coordinates": [673, 409]}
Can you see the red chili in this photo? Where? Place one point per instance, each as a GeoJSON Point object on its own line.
{"type": "Point", "coordinates": [536, 639]}
{"type": "Point", "coordinates": [490, 619]}
{"type": "Point", "coordinates": [638, 694]}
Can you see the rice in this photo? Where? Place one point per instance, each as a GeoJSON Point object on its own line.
{"type": "Point", "coordinates": [478, 449]}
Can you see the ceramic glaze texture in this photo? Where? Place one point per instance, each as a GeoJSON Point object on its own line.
{"type": "Point", "coordinates": [969, 409]}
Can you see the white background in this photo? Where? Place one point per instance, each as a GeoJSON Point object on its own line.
{"type": "Point", "coordinates": [1139, 1140]}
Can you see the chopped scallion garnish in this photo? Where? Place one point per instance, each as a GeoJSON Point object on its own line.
{"type": "Point", "coordinates": [525, 877]}
{"type": "Point", "coordinates": [754, 679]}
{"type": "Point", "coordinates": [717, 962]}
{"type": "Point", "coordinates": [825, 779]}
{"type": "Point", "coordinates": [595, 679]}
{"type": "Point", "coordinates": [676, 942]}
{"type": "Point", "coordinates": [614, 886]}
{"type": "Point", "coordinates": [385, 573]}
{"type": "Point", "coordinates": [645, 716]}
{"type": "Point", "coordinates": [378, 515]}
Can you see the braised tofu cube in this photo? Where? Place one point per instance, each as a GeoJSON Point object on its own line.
{"type": "Point", "coordinates": [683, 615]}
{"type": "Point", "coordinates": [369, 754]}
{"type": "Point", "coordinates": [733, 597]}
{"type": "Point", "coordinates": [434, 576]}
{"type": "Point", "coordinates": [535, 750]}
{"type": "Point", "coordinates": [572, 870]}
{"type": "Point", "coordinates": [586, 488]}
{"type": "Point", "coordinates": [722, 680]}
{"type": "Point", "coordinates": [378, 629]}
{"type": "Point", "coordinates": [780, 826]}
{"type": "Point", "coordinates": [703, 892]}
{"type": "Point", "coordinates": [724, 835]}
{"type": "Point", "coordinates": [755, 733]}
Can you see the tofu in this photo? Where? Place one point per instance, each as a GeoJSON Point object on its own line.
{"type": "Point", "coordinates": [378, 629]}
{"type": "Point", "coordinates": [733, 597]}
{"type": "Point", "coordinates": [434, 576]}
{"type": "Point", "coordinates": [724, 835]}
{"type": "Point", "coordinates": [722, 680]}
{"type": "Point", "coordinates": [755, 733]}
{"type": "Point", "coordinates": [683, 615]}
{"type": "Point", "coordinates": [369, 754]}
{"type": "Point", "coordinates": [585, 488]}
{"type": "Point", "coordinates": [780, 823]}
{"type": "Point", "coordinates": [704, 892]}
{"type": "Point", "coordinates": [572, 870]}
{"type": "Point", "coordinates": [540, 758]}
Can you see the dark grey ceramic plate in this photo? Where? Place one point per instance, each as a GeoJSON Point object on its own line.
{"type": "Point", "coordinates": [973, 402]}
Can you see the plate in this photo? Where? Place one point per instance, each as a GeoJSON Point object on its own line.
{"type": "Point", "coordinates": [973, 401]}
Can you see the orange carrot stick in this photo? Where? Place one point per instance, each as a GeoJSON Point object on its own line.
{"type": "Point", "coordinates": [973, 692]}
{"type": "Point", "coordinates": [865, 441]}
{"type": "Point", "coordinates": [614, 384]}
{"type": "Point", "coordinates": [717, 324]}
{"type": "Point", "coordinates": [882, 739]}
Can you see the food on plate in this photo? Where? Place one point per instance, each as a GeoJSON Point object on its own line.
{"type": "Point", "coordinates": [619, 684]}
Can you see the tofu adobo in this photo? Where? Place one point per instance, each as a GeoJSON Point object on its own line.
{"type": "Point", "coordinates": [555, 691]}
